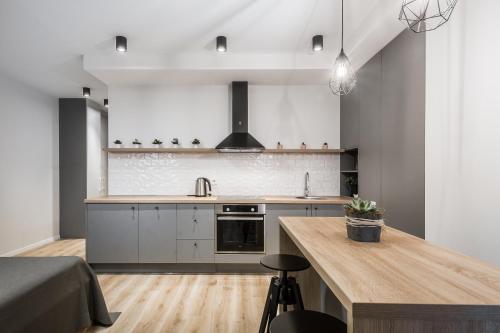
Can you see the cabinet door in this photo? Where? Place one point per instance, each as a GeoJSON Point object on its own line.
{"type": "Point", "coordinates": [112, 233]}
{"type": "Point", "coordinates": [195, 221]}
{"type": "Point", "coordinates": [273, 212]}
{"type": "Point", "coordinates": [157, 233]}
{"type": "Point", "coordinates": [195, 251]}
{"type": "Point", "coordinates": [328, 210]}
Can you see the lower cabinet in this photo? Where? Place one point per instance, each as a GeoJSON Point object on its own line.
{"type": "Point", "coordinates": [112, 233]}
{"type": "Point", "coordinates": [157, 233]}
{"type": "Point", "coordinates": [328, 210]}
{"type": "Point", "coordinates": [273, 212]}
{"type": "Point", "coordinates": [195, 251]}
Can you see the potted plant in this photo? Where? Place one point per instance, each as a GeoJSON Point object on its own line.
{"type": "Point", "coordinates": [352, 184]}
{"type": "Point", "coordinates": [157, 143]}
{"type": "Point", "coordinates": [175, 142]}
{"type": "Point", "coordinates": [364, 221]}
{"type": "Point", "coordinates": [118, 143]}
{"type": "Point", "coordinates": [195, 143]}
{"type": "Point", "coordinates": [136, 143]}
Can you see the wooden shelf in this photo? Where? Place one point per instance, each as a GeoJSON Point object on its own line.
{"type": "Point", "coordinates": [213, 151]}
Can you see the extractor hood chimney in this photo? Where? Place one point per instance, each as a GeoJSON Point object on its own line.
{"type": "Point", "coordinates": [239, 141]}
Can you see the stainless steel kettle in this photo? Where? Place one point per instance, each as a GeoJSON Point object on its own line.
{"type": "Point", "coordinates": [201, 189]}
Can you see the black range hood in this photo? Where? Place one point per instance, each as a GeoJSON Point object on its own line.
{"type": "Point", "coordinates": [239, 141]}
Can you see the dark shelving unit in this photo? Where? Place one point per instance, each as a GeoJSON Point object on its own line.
{"type": "Point", "coordinates": [349, 170]}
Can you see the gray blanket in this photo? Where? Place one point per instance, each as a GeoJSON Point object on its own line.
{"type": "Point", "coordinates": [58, 294]}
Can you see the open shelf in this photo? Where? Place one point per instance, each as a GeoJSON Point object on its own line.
{"type": "Point", "coordinates": [213, 151]}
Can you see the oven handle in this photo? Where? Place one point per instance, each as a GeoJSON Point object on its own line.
{"type": "Point", "coordinates": [240, 218]}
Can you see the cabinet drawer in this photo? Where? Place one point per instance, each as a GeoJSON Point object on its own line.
{"type": "Point", "coordinates": [328, 210]}
{"type": "Point", "coordinates": [195, 221]}
{"type": "Point", "coordinates": [195, 251]}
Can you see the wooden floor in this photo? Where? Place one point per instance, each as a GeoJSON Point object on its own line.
{"type": "Point", "coordinates": [175, 302]}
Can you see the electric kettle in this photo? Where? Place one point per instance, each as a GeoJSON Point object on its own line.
{"type": "Point", "coordinates": [201, 187]}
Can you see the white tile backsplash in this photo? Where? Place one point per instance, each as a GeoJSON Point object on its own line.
{"type": "Point", "coordinates": [231, 174]}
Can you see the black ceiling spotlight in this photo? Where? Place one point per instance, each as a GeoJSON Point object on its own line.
{"type": "Point", "coordinates": [86, 92]}
{"type": "Point", "coordinates": [121, 44]}
{"type": "Point", "coordinates": [106, 103]}
{"type": "Point", "coordinates": [221, 44]}
{"type": "Point", "coordinates": [317, 43]}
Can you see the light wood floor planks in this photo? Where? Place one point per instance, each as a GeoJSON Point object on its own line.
{"type": "Point", "coordinates": [175, 302]}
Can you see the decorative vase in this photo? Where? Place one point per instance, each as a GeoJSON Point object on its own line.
{"type": "Point", "coordinates": [157, 145]}
{"type": "Point", "coordinates": [137, 145]}
{"type": "Point", "coordinates": [196, 145]}
{"type": "Point", "coordinates": [118, 145]}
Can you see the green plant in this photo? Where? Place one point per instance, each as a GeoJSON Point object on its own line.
{"type": "Point", "coordinates": [136, 142]}
{"type": "Point", "coordinates": [117, 142]}
{"type": "Point", "coordinates": [196, 142]}
{"type": "Point", "coordinates": [350, 181]}
{"type": "Point", "coordinates": [157, 142]}
{"type": "Point", "coordinates": [363, 209]}
{"type": "Point", "coordinates": [175, 141]}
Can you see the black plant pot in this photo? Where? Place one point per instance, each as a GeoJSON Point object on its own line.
{"type": "Point", "coordinates": [364, 233]}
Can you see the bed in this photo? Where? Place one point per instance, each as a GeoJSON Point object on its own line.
{"type": "Point", "coordinates": [50, 294]}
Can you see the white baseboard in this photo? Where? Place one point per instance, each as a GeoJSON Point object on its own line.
{"type": "Point", "coordinates": [30, 247]}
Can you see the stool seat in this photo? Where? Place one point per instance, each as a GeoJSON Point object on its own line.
{"type": "Point", "coordinates": [285, 262]}
{"type": "Point", "coordinates": [306, 321]}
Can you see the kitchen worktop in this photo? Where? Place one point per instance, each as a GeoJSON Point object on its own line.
{"type": "Point", "coordinates": [333, 200]}
{"type": "Point", "coordinates": [401, 277]}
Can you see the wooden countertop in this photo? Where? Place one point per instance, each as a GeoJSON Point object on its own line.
{"type": "Point", "coordinates": [337, 200]}
{"type": "Point", "coordinates": [402, 270]}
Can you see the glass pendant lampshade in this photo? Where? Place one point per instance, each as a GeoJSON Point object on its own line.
{"type": "Point", "coordinates": [426, 15]}
{"type": "Point", "coordinates": [343, 78]}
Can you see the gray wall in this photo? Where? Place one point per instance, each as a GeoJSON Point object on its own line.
{"type": "Point", "coordinates": [384, 117]}
{"type": "Point", "coordinates": [73, 164]}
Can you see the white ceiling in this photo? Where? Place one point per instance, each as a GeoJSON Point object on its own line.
{"type": "Point", "coordinates": [42, 42]}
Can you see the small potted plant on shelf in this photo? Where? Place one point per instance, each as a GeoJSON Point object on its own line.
{"type": "Point", "coordinates": [352, 184]}
{"type": "Point", "coordinates": [118, 143]}
{"type": "Point", "coordinates": [325, 145]}
{"type": "Point", "coordinates": [157, 143]}
{"type": "Point", "coordinates": [136, 143]}
{"type": "Point", "coordinates": [279, 145]}
{"type": "Point", "coordinates": [303, 146]}
{"type": "Point", "coordinates": [364, 221]}
{"type": "Point", "coordinates": [175, 143]}
{"type": "Point", "coordinates": [196, 143]}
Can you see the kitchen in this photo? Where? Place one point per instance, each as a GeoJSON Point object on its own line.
{"type": "Point", "coordinates": [196, 168]}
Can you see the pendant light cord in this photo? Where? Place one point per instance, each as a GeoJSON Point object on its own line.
{"type": "Point", "coordinates": [342, 38]}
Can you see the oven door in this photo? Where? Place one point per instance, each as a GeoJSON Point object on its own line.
{"type": "Point", "coordinates": [240, 234]}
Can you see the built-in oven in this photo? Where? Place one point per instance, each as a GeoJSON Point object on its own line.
{"type": "Point", "coordinates": [240, 228]}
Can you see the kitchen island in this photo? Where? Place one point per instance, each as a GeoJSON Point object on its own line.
{"type": "Point", "coordinates": [403, 284]}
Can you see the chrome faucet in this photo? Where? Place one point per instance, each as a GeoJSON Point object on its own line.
{"type": "Point", "coordinates": [307, 188]}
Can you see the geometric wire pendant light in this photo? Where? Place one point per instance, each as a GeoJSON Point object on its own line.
{"type": "Point", "coordinates": [426, 15]}
{"type": "Point", "coordinates": [343, 78]}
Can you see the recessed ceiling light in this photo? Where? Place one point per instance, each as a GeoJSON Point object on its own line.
{"type": "Point", "coordinates": [317, 43]}
{"type": "Point", "coordinates": [86, 92]}
{"type": "Point", "coordinates": [121, 44]}
{"type": "Point", "coordinates": [106, 103]}
{"type": "Point", "coordinates": [221, 44]}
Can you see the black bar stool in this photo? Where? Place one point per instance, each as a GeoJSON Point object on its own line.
{"type": "Point", "coordinates": [282, 290]}
{"type": "Point", "coordinates": [306, 321]}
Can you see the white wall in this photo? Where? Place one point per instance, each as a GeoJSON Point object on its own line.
{"type": "Point", "coordinates": [96, 159]}
{"type": "Point", "coordinates": [29, 170]}
{"type": "Point", "coordinates": [462, 131]}
{"type": "Point", "coordinates": [290, 114]}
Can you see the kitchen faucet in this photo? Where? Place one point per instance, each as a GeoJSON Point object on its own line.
{"type": "Point", "coordinates": [307, 188]}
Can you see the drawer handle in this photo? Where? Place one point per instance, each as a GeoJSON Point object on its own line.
{"type": "Point", "coordinates": [195, 244]}
{"type": "Point", "coordinates": [133, 212]}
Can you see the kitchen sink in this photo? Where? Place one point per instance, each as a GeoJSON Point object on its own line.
{"type": "Point", "coordinates": [310, 197]}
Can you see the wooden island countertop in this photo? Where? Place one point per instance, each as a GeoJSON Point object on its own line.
{"type": "Point", "coordinates": [401, 284]}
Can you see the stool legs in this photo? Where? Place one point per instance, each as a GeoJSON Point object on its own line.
{"type": "Point", "coordinates": [283, 291]}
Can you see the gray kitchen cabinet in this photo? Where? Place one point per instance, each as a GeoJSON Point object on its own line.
{"type": "Point", "coordinates": [112, 233]}
{"type": "Point", "coordinates": [157, 233]}
{"type": "Point", "coordinates": [195, 251]}
{"type": "Point", "coordinates": [273, 212]}
{"type": "Point", "coordinates": [328, 210]}
{"type": "Point", "coordinates": [195, 221]}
